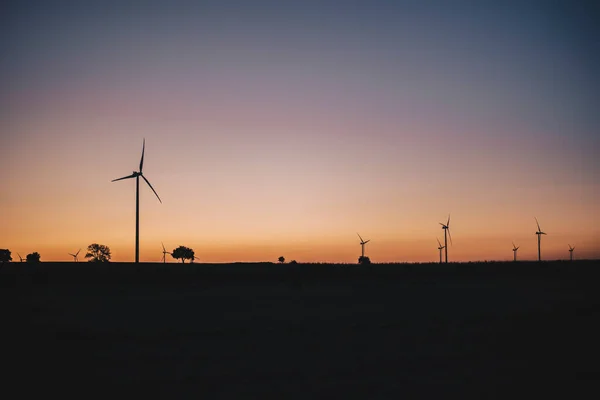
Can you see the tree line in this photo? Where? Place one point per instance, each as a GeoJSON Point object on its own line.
{"type": "Point", "coordinates": [98, 253]}
{"type": "Point", "coordinates": [101, 253]}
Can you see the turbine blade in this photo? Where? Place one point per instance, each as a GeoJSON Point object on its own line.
{"type": "Point", "coordinates": [538, 224]}
{"type": "Point", "coordinates": [125, 177]}
{"type": "Point", "coordinates": [442, 224]}
{"type": "Point", "coordinates": [448, 223]}
{"type": "Point", "coordinates": [77, 252]}
{"type": "Point", "coordinates": [163, 246]}
{"type": "Point", "coordinates": [514, 245]}
{"type": "Point", "coordinates": [439, 244]}
{"type": "Point", "coordinates": [148, 182]}
{"type": "Point", "coordinates": [367, 241]}
{"type": "Point", "coordinates": [142, 159]}
{"type": "Point", "coordinates": [450, 236]}
{"type": "Point", "coordinates": [361, 239]}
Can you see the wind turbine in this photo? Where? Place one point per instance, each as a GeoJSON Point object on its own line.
{"type": "Point", "coordinates": [136, 175]}
{"type": "Point", "coordinates": [165, 252]}
{"type": "Point", "coordinates": [571, 252]}
{"type": "Point", "coordinates": [515, 248]}
{"type": "Point", "coordinates": [440, 247]}
{"type": "Point", "coordinates": [446, 228]}
{"type": "Point", "coordinates": [362, 244]}
{"type": "Point", "coordinates": [539, 234]}
{"type": "Point", "coordinates": [20, 258]}
{"type": "Point", "coordinates": [75, 259]}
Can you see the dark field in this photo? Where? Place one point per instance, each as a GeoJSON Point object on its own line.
{"type": "Point", "coordinates": [488, 330]}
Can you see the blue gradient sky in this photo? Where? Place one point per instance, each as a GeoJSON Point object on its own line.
{"type": "Point", "coordinates": [286, 127]}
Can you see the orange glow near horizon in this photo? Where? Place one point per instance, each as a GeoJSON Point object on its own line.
{"type": "Point", "coordinates": [287, 130]}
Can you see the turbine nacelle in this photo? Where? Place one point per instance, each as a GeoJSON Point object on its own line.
{"type": "Point", "coordinates": [539, 231]}
{"type": "Point", "coordinates": [440, 247]}
{"type": "Point", "coordinates": [362, 241]}
{"type": "Point", "coordinates": [446, 227]}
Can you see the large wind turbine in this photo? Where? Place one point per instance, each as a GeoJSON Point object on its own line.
{"type": "Point", "coordinates": [75, 259]}
{"type": "Point", "coordinates": [571, 252]}
{"type": "Point", "coordinates": [446, 228]}
{"type": "Point", "coordinates": [165, 252]}
{"type": "Point", "coordinates": [362, 244]}
{"type": "Point", "coordinates": [440, 247]}
{"type": "Point", "coordinates": [137, 175]}
{"type": "Point", "coordinates": [515, 248]}
{"type": "Point", "coordinates": [539, 234]}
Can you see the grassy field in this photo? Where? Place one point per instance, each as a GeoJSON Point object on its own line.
{"type": "Point", "coordinates": [481, 330]}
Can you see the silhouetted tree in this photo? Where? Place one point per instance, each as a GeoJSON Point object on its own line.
{"type": "Point", "coordinates": [364, 260]}
{"type": "Point", "coordinates": [293, 262]}
{"type": "Point", "coordinates": [281, 259]}
{"type": "Point", "coordinates": [98, 253]}
{"type": "Point", "coordinates": [33, 257]}
{"type": "Point", "coordinates": [5, 256]}
{"type": "Point", "coordinates": [183, 253]}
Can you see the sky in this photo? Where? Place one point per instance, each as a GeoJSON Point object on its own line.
{"type": "Point", "coordinates": [284, 128]}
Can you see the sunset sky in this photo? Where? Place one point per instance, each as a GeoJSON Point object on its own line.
{"type": "Point", "coordinates": [285, 127]}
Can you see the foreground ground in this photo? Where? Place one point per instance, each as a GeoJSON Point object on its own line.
{"type": "Point", "coordinates": [489, 330]}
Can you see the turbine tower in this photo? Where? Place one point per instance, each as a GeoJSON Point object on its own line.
{"type": "Point", "coordinates": [446, 228]}
{"type": "Point", "coordinates": [362, 244]}
{"type": "Point", "coordinates": [515, 248]}
{"type": "Point", "coordinates": [539, 234]}
{"type": "Point", "coordinates": [136, 175]}
{"type": "Point", "coordinates": [440, 247]}
{"type": "Point", "coordinates": [75, 259]}
{"type": "Point", "coordinates": [165, 252]}
{"type": "Point", "coordinates": [571, 252]}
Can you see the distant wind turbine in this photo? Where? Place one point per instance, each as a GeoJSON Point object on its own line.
{"type": "Point", "coordinates": [20, 258]}
{"type": "Point", "coordinates": [75, 259]}
{"type": "Point", "coordinates": [440, 247]}
{"type": "Point", "coordinates": [515, 248]}
{"type": "Point", "coordinates": [539, 234]}
{"type": "Point", "coordinates": [136, 175]}
{"type": "Point", "coordinates": [165, 252]}
{"type": "Point", "coordinates": [362, 244]}
{"type": "Point", "coordinates": [571, 252]}
{"type": "Point", "coordinates": [446, 228]}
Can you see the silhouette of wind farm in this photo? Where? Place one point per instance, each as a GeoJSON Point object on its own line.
{"type": "Point", "coordinates": [440, 248]}
{"type": "Point", "coordinates": [136, 175]}
{"type": "Point", "coordinates": [571, 252]}
{"type": "Point", "coordinates": [362, 245]}
{"type": "Point", "coordinates": [515, 248]}
{"type": "Point", "coordinates": [276, 128]}
{"type": "Point", "coordinates": [75, 259]}
{"type": "Point", "coordinates": [164, 253]}
{"type": "Point", "coordinates": [539, 234]}
{"type": "Point", "coordinates": [446, 228]}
